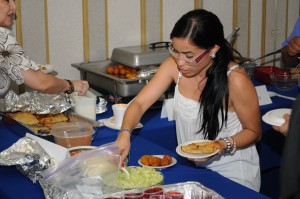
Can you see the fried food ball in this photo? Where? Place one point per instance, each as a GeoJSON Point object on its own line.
{"type": "Point", "coordinates": [109, 69]}
{"type": "Point", "coordinates": [167, 157]}
{"type": "Point", "coordinates": [154, 161]}
{"type": "Point", "coordinates": [166, 160]}
{"type": "Point", "coordinates": [121, 66]}
{"type": "Point", "coordinates": [145, 160]}
{"type": "Point", "coordinates": [122, 71]}
{"type": "Point", "coordinates": [133, 71]}
{"type": "Point", "coordinates": [116, 70]}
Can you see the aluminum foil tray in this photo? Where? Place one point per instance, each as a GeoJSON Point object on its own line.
{"type": "Point", "coordinates": [191, 190]}
{"type": "Point", "coordinates": [21, 129]}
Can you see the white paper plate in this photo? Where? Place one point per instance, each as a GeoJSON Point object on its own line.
{"type": "Point", "coordinates": [174, 161]}
{"type": "Point", "coordinates": [275, 117]}
{"type": "Point", "coordinates": [110, 123]}
{"type": "Point", "coordinates": [194, 156]}
{"type": "Point", "coordinates": [49, 68]}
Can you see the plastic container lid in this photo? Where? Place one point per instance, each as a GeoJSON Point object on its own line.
{"type": "Point", "coordinates": [71, 129]}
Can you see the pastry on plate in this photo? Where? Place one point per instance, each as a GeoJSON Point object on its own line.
{"type": "Point", "coordinates": [205, 147]}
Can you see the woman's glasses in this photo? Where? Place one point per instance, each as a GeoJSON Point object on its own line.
{"type": "Point", "coordinates": [187, 60]}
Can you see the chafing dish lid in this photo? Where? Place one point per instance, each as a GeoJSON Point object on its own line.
{"type": "Point", "coordinates": [134, 56]}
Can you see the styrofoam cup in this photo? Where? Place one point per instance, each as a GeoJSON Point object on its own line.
{"type": "Point", "coordinates": [118, 111]}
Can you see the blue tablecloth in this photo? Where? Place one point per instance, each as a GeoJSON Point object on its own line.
{"type": "Point", "coordinates": [156, 137]}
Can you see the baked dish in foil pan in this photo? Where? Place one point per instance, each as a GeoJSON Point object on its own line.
{"type": "Point", "coordinates": [40, 124]}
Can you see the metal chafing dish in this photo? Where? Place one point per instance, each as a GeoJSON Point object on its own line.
{"type": "Point", "coordinates": [146, 59]}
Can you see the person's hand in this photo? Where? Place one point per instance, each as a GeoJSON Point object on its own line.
{"type": "Point", "coordinates": [123, 142]}
{"type": "Point", "coordinates": [293, 47]}
{"type": "Point", "coordinates": [283, 129]}
{"type": "Point", "coordinates": [80, 86]}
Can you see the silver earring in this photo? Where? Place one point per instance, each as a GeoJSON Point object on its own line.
{"type": "Point", "coordinates": [213, 56]}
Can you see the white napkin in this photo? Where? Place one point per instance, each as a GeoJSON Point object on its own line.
{"type": "Point", "coordinates": [168, 109]}
{"type": "Point", "coordinates": [55, 151]}
{"type": "Point", "coordinates": [263, 95]}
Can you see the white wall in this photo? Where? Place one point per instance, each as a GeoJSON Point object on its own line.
{"type": "Point", "coordinates": [123, 28]}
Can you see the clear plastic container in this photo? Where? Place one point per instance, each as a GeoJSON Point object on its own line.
{"type": "Point", "coordinates": [71, 134]}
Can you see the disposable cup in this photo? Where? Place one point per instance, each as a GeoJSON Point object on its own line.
{"type": "Point", "coordinates": [118, 111]}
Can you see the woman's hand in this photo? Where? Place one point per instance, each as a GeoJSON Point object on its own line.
{"type": "Point", "coordinates": [198, 161]}
{"type": "Point", "coordinates": [283, 129]}
{"type": "Point", "coordinates": [123, 142]}
{"type": "Point", "coordinates": [80, 86]}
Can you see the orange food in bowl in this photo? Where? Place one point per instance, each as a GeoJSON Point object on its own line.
{"type": "Point", "coordinates": [71, 134]}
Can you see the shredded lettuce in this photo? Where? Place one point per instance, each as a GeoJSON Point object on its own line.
{"type": "Point", "coordinates": [140, 177]}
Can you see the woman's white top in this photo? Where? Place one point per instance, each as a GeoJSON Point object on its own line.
{"type": "Point", "coordinates": [12, 60]}
{"type": "Point", "coordinates": [242, 167]}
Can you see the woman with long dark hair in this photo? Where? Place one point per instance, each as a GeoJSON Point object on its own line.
{"type": "Point", "coordinates": [214, 98]}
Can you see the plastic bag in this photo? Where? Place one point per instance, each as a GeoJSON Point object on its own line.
{"type": "Point", "coordinates": [85, 175]}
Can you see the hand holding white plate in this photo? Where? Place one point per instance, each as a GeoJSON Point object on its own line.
{"type": "Point", "coordinates": [197, 155]}
{"type": "Point", "coordinates": [275, 117]}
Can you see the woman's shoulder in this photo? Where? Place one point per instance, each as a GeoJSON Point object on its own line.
{"type": "Point", "coordinates": [238, 76]}
{"type": "Point", "coordinates": [169, 67]}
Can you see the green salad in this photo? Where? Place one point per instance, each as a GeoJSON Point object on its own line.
{"type": "Point", "coordinates": [140, 177]}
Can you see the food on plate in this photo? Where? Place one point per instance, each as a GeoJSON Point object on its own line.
{"type": "Point", "coordinates": [154, 161]}
{"type": "Point", "coordinates": [140, 177]}
{"type": "Point", "coordinates": [205, 147]}
{"type": "Point", "coordinates": [25, 118]}
{"type": "Point", "coordinates": [166, 160]}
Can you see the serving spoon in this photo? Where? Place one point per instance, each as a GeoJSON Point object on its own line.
{"type": "Point", "coordinates": [273, 94]}
{"type": "Point", "coordinates": [125, 171]}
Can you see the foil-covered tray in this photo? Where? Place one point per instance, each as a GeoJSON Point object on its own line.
{"type": "Point", "coordinates": [41, 130]}
{"type": "Point", "coordinates": [190, 190]}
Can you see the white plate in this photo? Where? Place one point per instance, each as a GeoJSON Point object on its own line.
{"type": "Point", "coordinates": [49, 68]}
{"type": "Point", "coordinates": [174, 161]}
{"type": "Point", "coordinates": [275, 117]}
{"type": "Point", "coordinates": [194, 156]}
{"type": "Point", "coordinates": [110, 123]}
